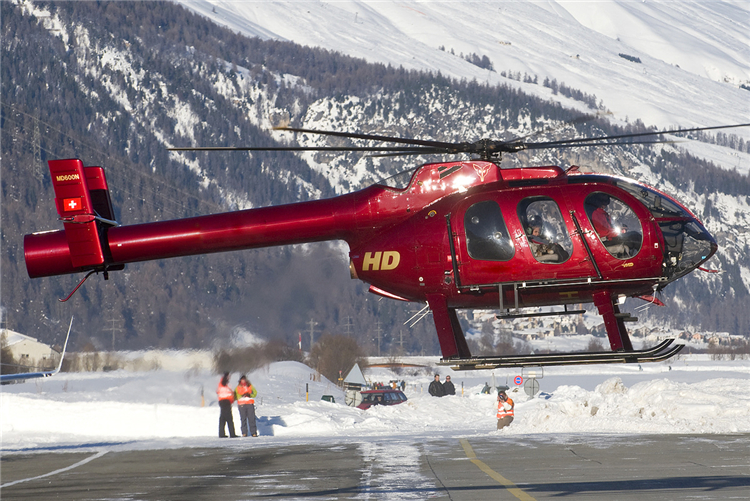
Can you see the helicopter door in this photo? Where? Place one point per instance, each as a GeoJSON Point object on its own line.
{"type": "Point", "coordinates": [485, 248]}
{"type": "Point", "coordinates": [487, 237]}
{"type": "Point", "coordinates": [616, 225]}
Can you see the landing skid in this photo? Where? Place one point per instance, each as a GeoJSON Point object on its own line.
{"type": "Point", "coordinates": [658, 353]}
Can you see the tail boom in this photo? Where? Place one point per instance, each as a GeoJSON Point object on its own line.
{"type": "Point", "coordinates": [51, 253]}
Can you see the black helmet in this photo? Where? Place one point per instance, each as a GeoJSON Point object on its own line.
{"type": "Point", "coordinates": [599, 199]}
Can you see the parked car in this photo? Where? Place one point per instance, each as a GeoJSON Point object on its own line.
{"type": "Point", "coordinates": [386, 396]}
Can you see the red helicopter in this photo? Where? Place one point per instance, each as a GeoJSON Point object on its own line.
{"type": "Point", "coordinates": [461, 234]}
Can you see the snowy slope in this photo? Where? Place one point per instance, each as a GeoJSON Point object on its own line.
{"type": "Point", "coordinates": [694, 55]}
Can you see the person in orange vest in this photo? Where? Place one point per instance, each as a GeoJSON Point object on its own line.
{"type": "Point", "coordinates": [504, 409]}
{"type": "Point", "coordinates": [245, 394]}
{"type": "Point", "coordinates": [226, 397]}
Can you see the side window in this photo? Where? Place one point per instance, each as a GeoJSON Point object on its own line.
{"type": "Point", "coordinates": [487, 236]}
{"type": "Point", "coordinates": [615, 223]}
{"type": "Point", "coordinates": [549, 240]}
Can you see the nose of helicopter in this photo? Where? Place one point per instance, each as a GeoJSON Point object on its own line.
{"type": "Point", "coordinates": [688, 245]}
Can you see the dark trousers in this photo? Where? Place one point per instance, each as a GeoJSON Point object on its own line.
{"type": "Point", "coordinates": [504, 421]}
{"type": "Point", "coordinates": [247, 418]}
{"type": "Point", "coordinates": [226, 418]}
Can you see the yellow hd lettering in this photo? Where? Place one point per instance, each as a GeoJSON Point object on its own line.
{"type": "Point", "coordinates": [390, 260]}
{"type": "Point", "coordinates": [371, 260]}
{"type": "Point", "coordinates": [381, 261]}
{"type": "Point", "coordinates": [68, 177]}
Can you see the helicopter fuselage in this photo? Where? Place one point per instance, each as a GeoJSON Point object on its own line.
{"type": "Point", "coordinates": [455, 235]}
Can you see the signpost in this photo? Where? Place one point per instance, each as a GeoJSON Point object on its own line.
{"type": "Point", "coordinates": [518, 380]}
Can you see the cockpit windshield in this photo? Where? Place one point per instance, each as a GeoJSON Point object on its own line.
{"type": "Point", "coordinates": [686, 243]}
{"type": "Point", "coordinates": [657, 204]}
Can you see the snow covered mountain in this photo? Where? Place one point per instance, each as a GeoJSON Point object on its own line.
{"type": "Point", "coordinates": [124, 80]}
{"type": "Point", "coordinates": [665, 63]}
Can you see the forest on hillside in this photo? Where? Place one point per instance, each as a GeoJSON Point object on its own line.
{"type": "Point", "coordinates": [119, 81]}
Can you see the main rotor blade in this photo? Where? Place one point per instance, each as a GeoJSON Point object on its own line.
{"type": "Point", "coordinates": [376, 137]}
{"type": "Point", "coordinates": [301, 148]}
{"type": "Point", "coordinates": [544, 146]}
{"type": "Point", "coordinates": [486, 148]}
{"type": "Point", "coordinates": [561, 143]}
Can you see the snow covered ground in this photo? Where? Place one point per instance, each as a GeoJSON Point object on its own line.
{"type": "Point", "coordinates": [161, 409]}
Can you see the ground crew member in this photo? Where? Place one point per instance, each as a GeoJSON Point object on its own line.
{"type": "Point", "coordinates": [436, 387]}
{"type": "Point", "coordinates": [245, 394]}
{"type": "Point", "coordinates": [504, 409]}
{"type": "Point", "coordinates": [448, 386]}
{"type": "Point", "coordinates": [226, 397]}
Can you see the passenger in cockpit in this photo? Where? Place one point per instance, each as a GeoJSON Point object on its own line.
{"type": "Point", "coordinates": [542, 249]}
{"type": "Point", "coordinates": [619, 241]}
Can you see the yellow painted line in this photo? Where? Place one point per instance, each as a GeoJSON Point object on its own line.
{"type": "Point", "coordinates": [512, 488]}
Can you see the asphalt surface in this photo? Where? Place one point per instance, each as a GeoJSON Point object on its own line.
{"type": "Point", "coordinates": [643, 467]}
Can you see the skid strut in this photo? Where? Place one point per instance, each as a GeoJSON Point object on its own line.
{"type": "Point", "coordinates": [662, 351]}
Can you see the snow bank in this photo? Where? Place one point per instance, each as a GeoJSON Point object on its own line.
{"type": "Point", "coordinates": [155, 408]}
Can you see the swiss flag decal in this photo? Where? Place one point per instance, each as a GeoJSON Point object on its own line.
{"type": "Point", "coordinates": [72, 204]}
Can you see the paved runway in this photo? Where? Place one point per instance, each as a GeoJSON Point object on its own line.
{"type": "Point", "coordinates": [641, 467]}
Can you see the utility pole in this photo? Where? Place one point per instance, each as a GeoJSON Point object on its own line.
{"type": "Point", "coordinates": [348, 326]}
{"type": "Point", "coordinates": [36, 144]}
{"type": "Point", "coordinates": [114, 329]}
{"type": "Point", "coordinates": [379, 331]}
{"type": "Point", "coordinates": [312, 332]}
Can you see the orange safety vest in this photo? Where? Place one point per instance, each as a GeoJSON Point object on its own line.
{"type": "Point", "coordinates": [225, 392]}
{"type": "Point", "coordinates": [501, 413]}
{"type": "Point", "coordinates": [244, 394]}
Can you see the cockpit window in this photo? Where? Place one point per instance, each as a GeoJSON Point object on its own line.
{"type": "Point", "coordinates": [657, 204]}
{"type": "Point", "coordinates": [615, 223]}
{"type": "Point", "coordinates": [487, 237]}
{"type": "Point", "coordinates": [545, 229]}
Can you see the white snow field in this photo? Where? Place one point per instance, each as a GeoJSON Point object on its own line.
{"type": "Point", "coordinates": [162, 408]}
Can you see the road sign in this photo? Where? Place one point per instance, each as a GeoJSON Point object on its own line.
{"type": "Point", "coordinates": [518, 380]}
{"type": "Point", "coordinates": [531, 387]}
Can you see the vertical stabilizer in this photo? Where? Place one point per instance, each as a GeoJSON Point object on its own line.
{"type": "Point", "coordinates": [76, 210]}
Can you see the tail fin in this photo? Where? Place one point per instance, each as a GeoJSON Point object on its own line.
{"type": "Point", "coordinates": [76, 210]}
{"type": "Point", "coordinates": [85, 208]}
